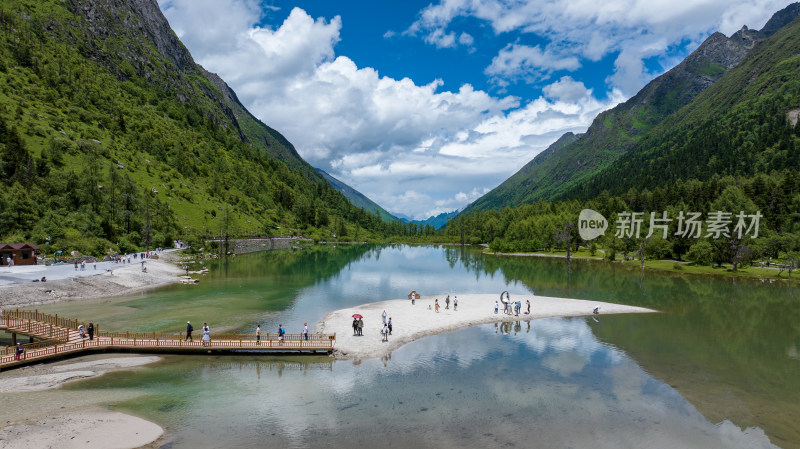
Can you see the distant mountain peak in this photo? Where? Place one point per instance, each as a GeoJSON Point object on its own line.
{"type": "Point", "coordinates": [437, 221]}
{"type": "Point", "coordinates": [357, 198]}
{"type": "Point", "coordinates": [781, 19]}
{"type": "Point", "coordinates": [573, 159]}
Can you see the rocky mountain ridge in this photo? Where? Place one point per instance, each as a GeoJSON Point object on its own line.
{"type": "Point", "coordinates": [553, 172]}
{"type": "Point", "coordinates": [112, 139]}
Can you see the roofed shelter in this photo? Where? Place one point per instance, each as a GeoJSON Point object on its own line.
{"type": "Point", "coordinates": [20, 253]}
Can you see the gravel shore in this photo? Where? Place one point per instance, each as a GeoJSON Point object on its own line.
{"type": "Point", "coordinates": [64, 283]}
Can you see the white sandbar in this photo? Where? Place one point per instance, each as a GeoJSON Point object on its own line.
{"type": "Point", "coordinates": [412, 322]}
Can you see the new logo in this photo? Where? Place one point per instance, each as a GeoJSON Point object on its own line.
{"type": "Point", "coordinates": [591, 224]}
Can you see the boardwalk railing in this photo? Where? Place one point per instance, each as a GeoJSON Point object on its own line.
{"type": "Point", "coordinates": [30, 346]}
{"type": "Point", "coordinates": [197, 336]}
{"type": "Point", "coordinates": [35, 315]}
{"type": "Point", "coordinates": [60, 336]}
{"type": "Point", "coordinates": [36, 324]}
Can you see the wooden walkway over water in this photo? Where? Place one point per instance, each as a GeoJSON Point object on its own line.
{"type": "Point", "coordinates": [59, 337]}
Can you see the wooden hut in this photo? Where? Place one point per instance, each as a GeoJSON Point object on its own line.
{"type": "Point", "coordinates": [19, 253]}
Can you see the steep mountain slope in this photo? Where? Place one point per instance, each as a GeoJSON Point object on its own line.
{"type": "Point", "coordinates": [741, 125]}
{"type": "Point", "coordinates": [112, 137]}
{"type": "Point", "coordinates": [553, 173]}
{"type": "Point", "coordinates": [252, 130]}
{"type": "Point", "coordinates": [122, 34]}
{"type": "Point", "coordinates": [514, 190]}
{"type": "Point", "coordinates": [357, 198]}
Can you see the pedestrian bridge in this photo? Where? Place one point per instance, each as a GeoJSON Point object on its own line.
{"type": "Point", "coordinates": [59, 337]}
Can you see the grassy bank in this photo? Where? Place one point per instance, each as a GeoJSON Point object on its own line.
{"type": "Point", "coordinates": [747, 272]}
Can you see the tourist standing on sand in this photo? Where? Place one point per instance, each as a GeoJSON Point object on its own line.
{"type": "Point", "coordinates": [355, 326]}
{"type": "Point", "coordinates": [258, 334]}
{"type": "Point", "coordinates": [383, 316]}
{"type": "Point", "coordinates": [189, 330]}
{"type": "Point", "coordinates": [436, 305]}
{"type": "Point", "coordinates": [305, 331]}
{"type": "Point", "coordinates": [91, 330]}
{"type": "Point", "coordinates": [206, 335]}
{"type": "Point", "coordinates": [76, 265]}
{"type": "Point", "coordinates": [447, 302]}
{"type": "Point", "coordinates": [528, 302]}
{"type": "Point", "coordinates": [389, 324]}
{"type": "Point", "coordinates": [496, 307]}
{"type": "Point", "coordinates": [385, 332]}
{"type": "Point", "coordinates": [360, 326]}
{"type": "Point", "coordinates": [455, 304]}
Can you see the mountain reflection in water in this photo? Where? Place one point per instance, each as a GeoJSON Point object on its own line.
{"type": "Point", "coordinates": [727, 345]}
{"type": "Point", "coordinates": [546, 383]}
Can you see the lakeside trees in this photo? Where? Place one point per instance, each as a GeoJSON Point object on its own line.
{"type": "Point", "coordinates": [106, 143]}
{"type": "Point", "coordinates": [536, 227]}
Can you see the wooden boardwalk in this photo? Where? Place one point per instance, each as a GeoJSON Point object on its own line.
{"type": "Point", "coordinates": [59, 337]}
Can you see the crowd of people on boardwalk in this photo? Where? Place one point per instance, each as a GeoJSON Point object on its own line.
{"type": "Point", "coordinates": [206, 338]}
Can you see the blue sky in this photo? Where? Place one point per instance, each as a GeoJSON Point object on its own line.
{"type": "Point", "coordinates": [372, 36]}
{"type": "Point", "coordinates": [424, 106]}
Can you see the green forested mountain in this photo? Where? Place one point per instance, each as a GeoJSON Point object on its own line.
{"type": "Point", "coordinates": [112, 137]}
{"type": "Point", "coordinates": [734, 148]}
{"type": "Point", "coordinates": [570, 162]}
{"type": "Point", "coordinates": [743, 125]}
{"type": "Point", "coordinates": [519, 187]}
{"type": "Point", "coordinates": [357, 198]}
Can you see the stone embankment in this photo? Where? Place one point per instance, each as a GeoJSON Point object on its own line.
{"type": "Point", "coordinates": [255, 244]}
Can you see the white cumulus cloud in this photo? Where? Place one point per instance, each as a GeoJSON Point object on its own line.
{"type": "Point", "coordinates": [636, 29]}
{"type": "Point", "coordinates": [413, 148]}
{"type": "Point", "coordinates": [522, 61]}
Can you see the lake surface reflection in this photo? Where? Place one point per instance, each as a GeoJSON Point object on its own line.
{"type": "Point", "coordinates": [715, 369]}
{"type": "Point", "coordinates": [546, 383]}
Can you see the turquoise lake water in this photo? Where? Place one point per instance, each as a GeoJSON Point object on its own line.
{"type": "Point", "coordinates": [719, 368]}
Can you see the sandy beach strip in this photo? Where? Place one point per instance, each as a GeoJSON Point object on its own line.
{"type": "Point", "coordinates": [47, 422]}
{"type": "Point", "coordinates": [412, 322]}
{"type": "Point", "coordinates": [100, 429]}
